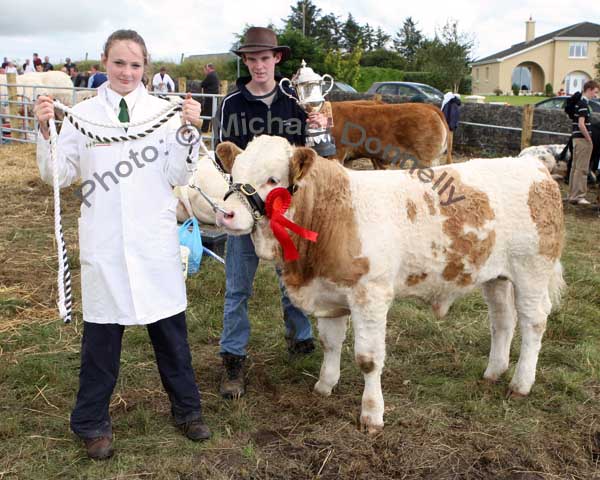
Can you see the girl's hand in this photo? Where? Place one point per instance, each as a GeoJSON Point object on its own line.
{"type": "Point", "coordinates": [44, 111]}
{"type": "Point", "coordinates": [191, 111]}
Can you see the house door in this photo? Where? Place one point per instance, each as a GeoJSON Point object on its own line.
{"type": "Point", "coordinates": [574, 82]}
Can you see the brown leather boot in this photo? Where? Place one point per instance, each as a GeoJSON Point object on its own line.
{"type": "Point", "coordinates": [233, 383]}
{"type": "Point", "coordinates": [99, 448]}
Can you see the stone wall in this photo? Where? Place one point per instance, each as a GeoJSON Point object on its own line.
{"type": "Point", "coordinates": [488, 141]}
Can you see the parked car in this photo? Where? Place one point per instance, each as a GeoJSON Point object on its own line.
{"type": "Point", "coordinates": [343, 87]}
{"type": "Point", "coordinates": [418, 92]}
{"type": "Point", "coordinates": [558, 103]}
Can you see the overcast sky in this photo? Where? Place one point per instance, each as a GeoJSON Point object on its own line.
{"type": "Point", "coordinates": [66, 28]}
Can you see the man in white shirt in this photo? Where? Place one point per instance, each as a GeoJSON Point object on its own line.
{"type": "Point", "coordinates": [28, 67]}
{"type": "Point", "coordinates": [11, 68]}
{"type": "Point", "coordinates": [162, 82]}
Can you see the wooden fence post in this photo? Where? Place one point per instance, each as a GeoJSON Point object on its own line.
{"type": "Point", "coordinates": [13, 108]}
{"type": "Point", "coordinates": [450, 141]}
{"type": "Point", "coordinates": [527, 126]}
{"type": "Point", "coordinates": [223, 87]}
{"type": "Point", "coordinates": [181, 84]}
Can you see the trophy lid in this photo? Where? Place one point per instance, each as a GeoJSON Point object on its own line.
{"type": "Point", "coordinates": [306, 74]}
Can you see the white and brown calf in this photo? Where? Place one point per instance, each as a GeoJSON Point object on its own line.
{"type": "Point", "coordinates": [434, 233]}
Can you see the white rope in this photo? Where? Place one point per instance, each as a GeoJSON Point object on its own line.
{"type": "Point", "coordinates": [65, 293]}
{"type": "Point", "coordinates": [170, 106]}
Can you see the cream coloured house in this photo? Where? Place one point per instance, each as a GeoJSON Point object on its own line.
{"type": "Point", "coordinates": [564, 58]}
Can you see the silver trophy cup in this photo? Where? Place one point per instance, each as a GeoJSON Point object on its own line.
{"type": "Point", "coordinates": [308, 86]}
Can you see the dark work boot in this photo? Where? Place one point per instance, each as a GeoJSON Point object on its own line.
{"type": "Point", "coordinates": [302, 347]}
{"type": "Point", "coordinates": [99, 448]}
{"type": "Point", "coordinates": [233, 383]}
{"type": "Point", "coordinates": [195, 430]}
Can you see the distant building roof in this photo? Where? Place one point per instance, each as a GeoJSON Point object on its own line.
{"type": "Point", "coordinates": [212, 57]}
{"type": "Point", "coordinates": [578, 30]}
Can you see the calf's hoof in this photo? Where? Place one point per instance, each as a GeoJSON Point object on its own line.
{"type": "Point", "coordinates": [370, 426]}
{"type": "Point", "coordinates": [514, 395]}
{"type": "Point", "coordinates": [322, 389]}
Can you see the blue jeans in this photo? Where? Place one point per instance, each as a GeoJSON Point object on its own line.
{"type": "Point", "coordinates": [240, 267]}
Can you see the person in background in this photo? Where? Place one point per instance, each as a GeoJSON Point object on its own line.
{"type": "Point", "coordinates": [36, 60]}
{"type": "Point", "coordinates": [210, 84]}
{"type": "Point", "coordinates": [69, 65]}
{"type": "Point", "coordinates": [162, 82]}
{"type": "Point", "coordinates": [47, 65]}
{"type": "Point", "coordinates": [97, 78]}
{"type": "Point", "coordinates": [28, 67]}
{"type": "Point", "coordinates": [11, 67]}
{"type": "Point", "coordinates": [39, 69]}
{"type": "Point", "coordinates": [582, 145]}
{"type": "Point", "coordinates": [5, 63]}
{"type": "Point", "coordinates": [80, 80]}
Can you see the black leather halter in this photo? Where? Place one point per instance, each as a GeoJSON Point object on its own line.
{"type": "Point", "coordinates": [256, 204]}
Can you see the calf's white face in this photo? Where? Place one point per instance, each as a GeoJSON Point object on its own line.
{"type": "Point", "coordinates": [267, 163]}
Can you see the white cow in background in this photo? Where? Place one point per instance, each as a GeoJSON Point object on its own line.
{"type": "Point", "coordinates": [549, 155]}
{"type": "Point", "coordinates": [212, 183]}
{"type": "Point", "coordinates": [59, 79]}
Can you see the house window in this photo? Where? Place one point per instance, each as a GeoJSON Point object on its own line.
{"type": "Point", "coordinates": [477, 74]}
{"type": "Point", "coordinates": [487, 74]}
{"type": "Point", "coordinates": [578, 50]}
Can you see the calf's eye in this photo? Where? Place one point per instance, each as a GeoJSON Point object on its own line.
{"type": "Point", "coordinates": [272, 181]}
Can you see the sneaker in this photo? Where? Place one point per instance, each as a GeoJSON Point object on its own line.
{"type": "Point", "coordinates": [233, 382]}
{"type": "Point", "coordinates": [302, 347]}
{"type": "Point", "coordinates": [195, 430]}
{"type": "Point", "coordinates": [582, 201]}
{"type": "Point", "coordinates": [99, 448]}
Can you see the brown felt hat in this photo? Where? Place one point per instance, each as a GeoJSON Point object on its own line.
{"type": "Point", "coordinates": [259, 39]}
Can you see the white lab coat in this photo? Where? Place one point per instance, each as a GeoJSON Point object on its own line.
{"type": "Point", "coordinates": [128, 242]}
{"type": "Point", "coordinates": [160, 84]}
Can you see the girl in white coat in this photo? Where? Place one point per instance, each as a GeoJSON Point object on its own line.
{"type": "Point", "coordinates": [129, 249]}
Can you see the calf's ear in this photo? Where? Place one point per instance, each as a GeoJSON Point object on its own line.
{"type": "Point", "coordinates": [226, 152]}
{"type": "Point", "coordinates": [300, 163]}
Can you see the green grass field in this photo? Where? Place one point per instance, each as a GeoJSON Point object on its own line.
{"type": "Point", "coordinates": [442, 420]}
{"type": "Point", "coordinates": [514, 99]}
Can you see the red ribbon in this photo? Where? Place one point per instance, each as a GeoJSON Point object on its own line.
{"type": "Point", "coordinates": [277, 202]}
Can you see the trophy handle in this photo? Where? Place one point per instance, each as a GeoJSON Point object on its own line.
{"type": "Point", "coordinates": [330, 85]}
{"type": "Point", "coordinates": [284, 80]}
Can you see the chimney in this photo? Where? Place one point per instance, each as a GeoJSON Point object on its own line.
{"type": "Point", "coordinates": [529, 30]}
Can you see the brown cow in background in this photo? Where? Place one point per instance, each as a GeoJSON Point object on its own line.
{"type": "Point", "coordinates": [385, 133]}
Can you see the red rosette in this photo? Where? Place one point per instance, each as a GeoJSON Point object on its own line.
{"type": "Point", "coordinates": [276, 204]}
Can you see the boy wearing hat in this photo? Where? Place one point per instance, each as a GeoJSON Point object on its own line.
{"type": "Point", "coordinates": [257, 107]}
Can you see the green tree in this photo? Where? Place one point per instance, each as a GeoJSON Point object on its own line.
{"type": "Point", "coordinates": [352, 34]}
{"type": "Point", "coordinates": [368, 37]}
{"type": "Point", "coordinates": [302, 48]}
{"type": "Point", "coordinates": [383, 58]}
{"type": "Point", "coordinates": [408, 41]}
{"type": "Point", "coordinates": [344, 67]}
{"type": "Point", "coordinates": [304, 18]}
{"type": "Point", "coordinates": [448, 54]}
{"type": "Point", "coordinates": [381, 39]}
{"type": "Point", "coordinates": [329, 31]}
